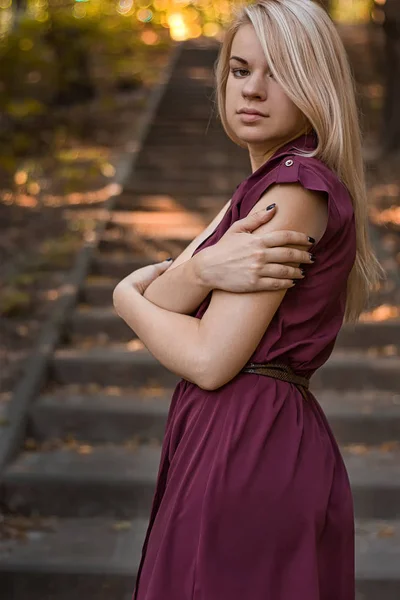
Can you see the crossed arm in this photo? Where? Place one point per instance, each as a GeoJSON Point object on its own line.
{"type": "Point", "coordinates": [180, 289]}
{"type": "Point", "coordinates": [212, 350]}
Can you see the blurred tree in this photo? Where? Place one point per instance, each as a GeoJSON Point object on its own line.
{"type": "Point", "coordinates": [73, 69]}
{"type": "Point", "coordinates": [390, 18]}
{"type": "Point", "coordinates": [18, 7]}
{"type": "Point", "coordinates": [68, 40]}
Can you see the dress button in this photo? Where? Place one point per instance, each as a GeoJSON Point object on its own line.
{"type": "Point", "coordinates": [288, 162]}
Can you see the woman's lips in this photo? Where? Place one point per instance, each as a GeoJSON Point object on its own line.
{"type": "Point", "coordinates": [249, 117]}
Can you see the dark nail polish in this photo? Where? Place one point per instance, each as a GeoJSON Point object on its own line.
{"type": "Point", "coordinates": [303, 272]}
{"type": "Point", "coordinates": [311, 239]}
{"type": "Point", "coordinates": [169, 258]}
{"type": "Point", "coordinates": [294, 281]}
{"type": "Point", "coordinates": [312, 257]}
{"type": "Point", "coordinates": [271, 206]}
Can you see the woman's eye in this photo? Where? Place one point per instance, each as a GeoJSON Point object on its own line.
{"type": "Point", "coordinates": [237, 71]}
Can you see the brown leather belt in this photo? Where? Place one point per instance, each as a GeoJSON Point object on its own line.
{"type": "Point", "coordinates": [281, 372]}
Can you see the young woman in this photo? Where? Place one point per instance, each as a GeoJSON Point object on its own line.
{"type": "Point", "coordinates": [253, 499]}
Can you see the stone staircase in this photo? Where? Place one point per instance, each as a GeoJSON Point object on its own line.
{"type": "Point", "coordinates": [87, 472]}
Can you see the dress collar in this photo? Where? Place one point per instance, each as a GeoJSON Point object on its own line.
{"type": "Point", "coordinates": [305, 142]}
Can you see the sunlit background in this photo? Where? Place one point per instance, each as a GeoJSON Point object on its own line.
{"type": "Point", "coordinates": [74, 78]}
{"type": "Point", "coordinates": [77, 79]}
{"type": "Point", "coordinates": [183, 19]}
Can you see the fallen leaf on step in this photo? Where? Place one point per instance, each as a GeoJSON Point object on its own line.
{"type": "Point", "coordinates": [85, 449]}
{"type": "Point", "coordinates": [122, 525]}
{"type": "Point", "coordinates": [357, 449]}
{"type": "Point", "coordinates": [389, 446]}
{"type": "Point", "coordinates": [386, 531]}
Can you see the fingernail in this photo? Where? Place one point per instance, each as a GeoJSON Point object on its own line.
{"type": "Point", "coordinates": [311, 239]}
{"type": "Point", "coordinates": [271, 206]}
{"type": "Point", "coordinates": [294, 281]}
{"type": "Point", "coordinates": [312, 257]}
{"type": "Point", "coordinates": [303, 272]}
{"type": "Point", "coordinates": [169, 258]}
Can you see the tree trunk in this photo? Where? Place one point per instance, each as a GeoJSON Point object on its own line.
{"type": "Point", "coordinates": [391, 113]}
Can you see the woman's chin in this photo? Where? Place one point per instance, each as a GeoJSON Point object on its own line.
{"type": "Point", "coordinates": [252, 137]}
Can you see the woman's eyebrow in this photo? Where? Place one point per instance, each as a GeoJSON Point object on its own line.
{"type": "Point", "coordinates": [241, 60]}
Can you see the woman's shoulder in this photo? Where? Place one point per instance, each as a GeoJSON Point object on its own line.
{"type": "Point", "coordinates": [314, 174]}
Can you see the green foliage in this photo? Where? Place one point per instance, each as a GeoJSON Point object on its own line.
{"type": "Point", "coordinates": [23, 108]}
{"type": "Point", "coordinates": [60, 60]}
{"type": "Point", "coordinates": [26, 67]}
{"type": "Point", "coordinates": [14, 301]}
{"type": "Point", "coordinates": [57, 252]}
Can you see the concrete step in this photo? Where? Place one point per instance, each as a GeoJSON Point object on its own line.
{"type": "Point", "coordinates": [174, 173]}
{"type": "Point", "coordinates": [111, 481]}
{"type": "Point", "coordinates": [354, 370]}
{"type": "Point", "coordinates": [101, 417]}
{"type": "Point", "coordinates": [98, 558]}
{"type": "Point", "coordinates": [366, 336]}
{"type": "Point", "coordinates": [198, 107]}
{"type": "Point", "coordinates": [112, 365]}
{"type": "Point", "coordinates": [363, 417]}
{"type": "Point", "coordinates": [374, 474]}
{"type": "Point", "coordinates": [202, 167]}
{"type": "Point", "coordinates": [377, 559]}
{"type": "Point", "coordinates": [115, 365]}
{"type": "Point", "coordinates": [121, 264]}
{"type": "Point", "coordinates": [98, 291]}
{"type": "Point", "coordinates": [182, 88]}
{"type": "Point", "coordinates": [200, 115]}
{"type": "Point", "coordinates": [370, 334]}
{"type": "Point", "coordinates": [180, 146]}
{"type": "Point", "coordinates": [182, 223]}
{"type": "Point", "coordinates": [236, 158]}
{"type": "Point", "coordinates": [88, 322]}
{"type": "Point", "coordinates": [196, 57]}
{"type": "Point", "coordinates": [161, 186]}
{"type": "Point", "coordinates": [185, 126]}
{"type": "Point", "coordinates": [115, 481]}
{"type": "Point", "coordinates": [119, 237]}
{"type": "Point", "coordinates": [207, 140]}
{"type": "Point", "coordinates": [186, 98]}
{"type": "Point", "coordinates": [356, 418]}
{"type": "Point", "coordinates": [60, 559]}
{"type": "Point", "coordinates": [197, 205]}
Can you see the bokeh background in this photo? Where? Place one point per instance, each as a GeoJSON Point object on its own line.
{"type": "Point", "coordinates": [76, 81]}
{"type": "Point", "coordinates": [74, 76]}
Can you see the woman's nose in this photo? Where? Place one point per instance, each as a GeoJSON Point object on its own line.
{"type": "Point", "coordinates": [254, 87]}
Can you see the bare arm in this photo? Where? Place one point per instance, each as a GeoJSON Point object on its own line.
{"type": "Point", "coordinates": [180, 288]}
{"type": "Point", "coordinates": [212, 350]}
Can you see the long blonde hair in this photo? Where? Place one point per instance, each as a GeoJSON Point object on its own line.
{"type": "Point", "coordinates": [307, 58]}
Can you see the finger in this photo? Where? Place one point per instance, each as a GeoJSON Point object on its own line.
{"type": "Point", "coordinates": [286, 238]}
{"type": "Point", "coordinates": [163, 265]}
{"type": "Point", "coordinates": [254, 220]}
{"type": "Point", "coordinates": [282, 272]}
{"type": "Point", "coordinates": [288, 255]}
{"type": "Point", "coordinates": [271, 284]}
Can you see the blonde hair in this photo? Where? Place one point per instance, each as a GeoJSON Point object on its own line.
{"type": "Point", "coordinates": [307, 58]}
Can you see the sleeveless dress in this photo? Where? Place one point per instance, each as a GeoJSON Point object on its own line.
{"type": "Point", "coordinates": [253, 500]}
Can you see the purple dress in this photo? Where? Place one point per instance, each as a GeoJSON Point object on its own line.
{"type": "Point", "coordinates": [253, 500]}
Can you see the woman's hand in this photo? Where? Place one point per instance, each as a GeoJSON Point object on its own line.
{"type": "Point", "coordinates": [242, 262]}
{"type": "Point", "coordinates": [141, 278]}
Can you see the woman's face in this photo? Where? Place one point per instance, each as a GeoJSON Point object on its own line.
{"type": "Point", "coordinates": [250, 85]}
